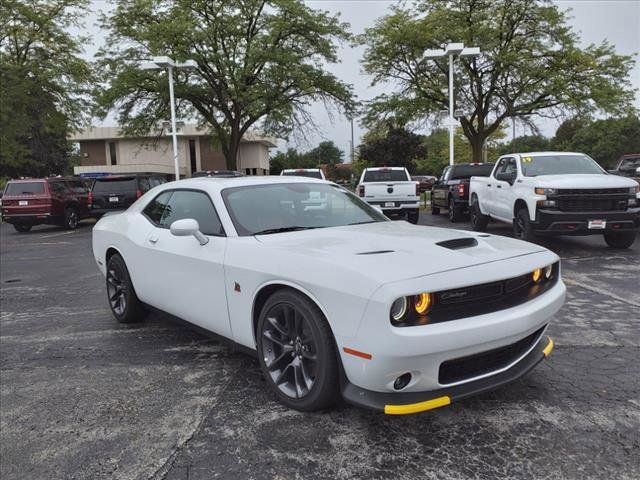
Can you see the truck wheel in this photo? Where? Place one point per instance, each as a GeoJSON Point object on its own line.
{"type": "Point", "coordinates": [413, 216]}
{"type": "Point", "coordinates": [22, 227]}
{"type": "Point", "coordinates": [455, 214]}
{"type": "Point", "coordinates": [479, 221]}
{"type": "Point", "coordinates": [522, 228]}
{"type": "Point", "coordinates": [434, 210]}
{"type": "Point", "coordinates": [620, 239]}
{"type": "Point", "coordinates": [71, 218]}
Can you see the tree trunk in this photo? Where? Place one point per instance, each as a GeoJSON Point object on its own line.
{"type": "Point", "coordinates": [231, 155]}
{"type": "Point", "coordinates": [477, 142]}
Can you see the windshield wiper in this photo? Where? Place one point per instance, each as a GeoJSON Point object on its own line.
{"type": "Point", "coordinates": [366, 221]}
{"type": "Point", "coordinates": [282, 230]}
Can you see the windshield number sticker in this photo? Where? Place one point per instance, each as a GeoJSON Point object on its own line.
{"type": "Point", "coordinates": [527, 159]}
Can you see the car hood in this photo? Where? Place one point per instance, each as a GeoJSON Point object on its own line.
{"type": "Point", "coordinates": [393, 251]}
{"type": "Point", "coordinates": [582, 181]}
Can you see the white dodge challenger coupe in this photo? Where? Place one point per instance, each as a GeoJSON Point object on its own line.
{"type": "Point", "coordinates": [333, 297]}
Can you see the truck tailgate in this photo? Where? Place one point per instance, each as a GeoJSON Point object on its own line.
{"type": "Point", "coordinates": [389, 190]}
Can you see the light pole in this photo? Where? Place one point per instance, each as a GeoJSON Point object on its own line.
{"type": "Point", "coordinates": [451, 50]}
{"type": "Point", "coordinates": [160, 63]}
{"type": "Point", "coordinates": [352, 146]}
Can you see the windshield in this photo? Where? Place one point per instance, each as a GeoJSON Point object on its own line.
{"type": "Point", "coordinates": [461, 172]}
{"type": "Point", "coordinates": [385, 176]}
{"type": "Point", "coordinates": [559, 165]}
{"type": "Point", "coordinates": [120, 185]}
{"type": "Point", "coordinates": [24, 188]}
{"type": "Point", "coordinates": [278, 207]}
{"type": "Point", "coordinates": [303, 173]}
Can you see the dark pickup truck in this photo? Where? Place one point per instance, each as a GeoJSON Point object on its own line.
{"type": "Point", "coordinates": [628, 166]}
{"type": "Point", "coordinates": [451, 190]}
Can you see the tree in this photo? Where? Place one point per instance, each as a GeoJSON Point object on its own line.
{"type": "Point", "coordinates": [531, 64]}
{"type": "Point", "coordinates": [604, 140]}
{"type": "Point", "coordinates": [259, 65]}
{"type": "Point", "coordinates": [44, 85]}
{"type": "Point", "coordinates": [290, 159]}
{"type": "Point", "coordinates": [326, 153]}
{"type": "Point", "coordinates": [526, 143]}
{"type": "Point", "coordinates": [399, 148]}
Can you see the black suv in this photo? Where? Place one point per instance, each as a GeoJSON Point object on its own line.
{"type": "Point", "coordinates": [118, 192]}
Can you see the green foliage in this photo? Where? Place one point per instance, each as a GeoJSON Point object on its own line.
{"type": "Point", "coordinates": [604, 140]}
{"type": "Point", "coordinates": [398, 148]}
{"type": "Point", "coordinates": [326, 153]}
{"type": "Point", "coordinates": [259, 65]}
{"type": "Point", "coordinates": [43, 85]}
{"type": "Point", "coordinates": [526, 143]}
{"type": "Point", "coordinates": [531, 64]}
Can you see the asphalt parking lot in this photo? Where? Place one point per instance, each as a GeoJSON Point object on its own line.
{"type": "Point", "coordinates": [83, 397]}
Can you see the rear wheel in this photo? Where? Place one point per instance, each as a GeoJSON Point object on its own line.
{"type": "Point", "coordinates": [620, 239]}
{"type": "Point", "coordinates": [71, 218]}
{"type": "Point", "coordinates": [123, 301]}
{"type": "Point", "coordinates": [522, 228]}
{"type": "Point", "coordinates": [22, 227]}
{"type": "Point", "coordinates": [434, 209]}
{"type": "Point", "coordinates": [297, 352]}
{"type": "Point", "coordinates": [413, 216]}
{"type": "Point", "coordinates": [455, 214]}
{"type": "Point", "coordinates": [479, 221]}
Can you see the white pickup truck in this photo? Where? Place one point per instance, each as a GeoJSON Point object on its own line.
{"type": "Point", "coordinates": [392, 190]}
{"type": "Point", "coordinates": [556, 193]}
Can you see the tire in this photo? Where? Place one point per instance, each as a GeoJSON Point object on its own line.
{"type": "Point", "coordinates": [22, 227]}
{"type": "Point", "coordinates": [479, 221]}
{"type": "Point", "coordinates": [455, 214]}
{"type": "Point", "coordinates": [413, 216]}
{"type": "Point", "coordinates": [522, 228]}
{"type": "Point", "coordinates": [297, 352]}
{"type": "Point", "coordinates": [434, 210]}
{"type": "Point", "coordinates": [620, 239]}
{"type": "Point", "coordinates": [71, 218]}
{"type": "Point", "coordinates": [123, 301]}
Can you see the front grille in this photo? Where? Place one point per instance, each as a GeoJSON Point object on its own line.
{"type": "Point", "coordinates": [464, 368]}
{"type": "Point", "coordinates": [591, 205]}
{"type": "Point", "coordinates": [591, 199]}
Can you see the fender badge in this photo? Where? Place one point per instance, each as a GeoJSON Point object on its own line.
{"type": "Point", "coordinates": [236, 287]}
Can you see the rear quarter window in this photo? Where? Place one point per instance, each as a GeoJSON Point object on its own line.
{"type": "Point", "coordinates": [24, 188]}
{"type": "Point", "coordinates": [462, 172]}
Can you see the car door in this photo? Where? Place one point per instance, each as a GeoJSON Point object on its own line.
{"type": "Point", "coordinates": [185, 278]}
{"type": "Point", "coordinates": [503, 193]}
{"type": "Point", "coordinates": [440, 191]}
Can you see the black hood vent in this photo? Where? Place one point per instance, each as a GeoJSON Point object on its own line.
{"type": "Point", "coordinates": [459, 243]}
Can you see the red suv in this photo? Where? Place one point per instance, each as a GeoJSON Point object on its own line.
{"type": "Point", "coordinates": [50, 201]}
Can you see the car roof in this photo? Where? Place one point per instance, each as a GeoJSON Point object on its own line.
{"type": "Point", "coordinates": [301, 169]}
{"type": "Point", "coordinates": [220, 183]}
{"type": "Point", "coordinates": [536, 154]}
{"type": "Point", "coordinates": [384, 168]}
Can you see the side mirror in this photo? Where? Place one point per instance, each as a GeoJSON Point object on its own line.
{"type": "Point", "coordinates": [188, 227]}
{"type": "Point", "coordinates": [507, 177]}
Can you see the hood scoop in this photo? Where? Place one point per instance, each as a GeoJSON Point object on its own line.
{"type": "Point", "coordinates": [375, 252]}
{"type": "Point", "coordinates": [459, 243]}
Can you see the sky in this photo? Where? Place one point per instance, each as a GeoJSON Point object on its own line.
{"type": "Point", "coordinates": [617, 21]}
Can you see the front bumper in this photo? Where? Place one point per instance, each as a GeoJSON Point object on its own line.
{"type": "Point", "coordinates": [414, 402]}
{"type": "Point", "coordinates": [554, 222]}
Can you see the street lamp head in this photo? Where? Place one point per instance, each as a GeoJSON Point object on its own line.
{"type": "Point", "coordinates": [454, 48]}
{"type": "Point", "coordinates": [434, 53]}
{"type": "Point", "coordinates": [187, 65]}
{"type": "Point", "coordinates": [163, 62]}
{"type": "Point", "coordinates": [470, 52]}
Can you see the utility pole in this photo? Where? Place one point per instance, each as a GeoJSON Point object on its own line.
{"type": "Point", "coordinates": [352, 147]}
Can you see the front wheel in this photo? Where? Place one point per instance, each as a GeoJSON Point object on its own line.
{"type": "Point", "coordinates": [522, 228]}
{"type": "Point", "coordinates": [620, 239]}
{"type": "Point", "coordinates": [124, 302]}
{"type": "Point", "coordinates": [297, 352]}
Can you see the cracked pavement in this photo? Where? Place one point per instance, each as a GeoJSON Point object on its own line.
{"type": "Point", "coordinates": [83, 397]}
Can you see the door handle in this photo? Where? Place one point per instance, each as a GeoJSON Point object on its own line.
{"type": "Point", "coordinates": [499, 186]}
{"type": "Point", "coordinates": [488, 185]}
{"type": "Point", "coordinates": [153, 239]}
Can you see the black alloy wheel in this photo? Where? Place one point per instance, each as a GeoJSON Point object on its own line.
{"type": "Point", "coordinates": [123, 301]}
{"type": "Point", "coordinates": [71, 218]}
{"type": "Point", "coordinates": [22, 227]}
{"type": "Point", "coordinates": [454, 212]}
{"type": "Point", "coordinates": [297, 352]}
{"type": "Point", "coordinates": [522, 228]}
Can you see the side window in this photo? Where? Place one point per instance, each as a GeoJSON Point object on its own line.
{"type": "Point", "coordinates": [445, 174]}
{"type": "Point", "coordinates": [58, 188]}
{"type": "Point", "coordinates": [154, 210]}
{"type": "Point", "coordinates": [510, 166]}
{"type": "Point", "coordinates": [192, 204]}
{"type": "Point", "coordinates": [501, 166]}
{"type": "Point", "coordinates": [76, 186]}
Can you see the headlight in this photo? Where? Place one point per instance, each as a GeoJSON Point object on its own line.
{"type": "Point", "coordinates": [422, 303]}
{"type": "Point", "coordinates": [540, 275]}
{"type": "Point", "coordinates": [545, 191]}
{"type": "Point", "coordinates": [399, 309]}
{"type": "Point", "coordinates": [634, 190]}
{"type": "Point", "coordinates": [548, 270]}
{"type": "Point", "coordinates": [536, 276]}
